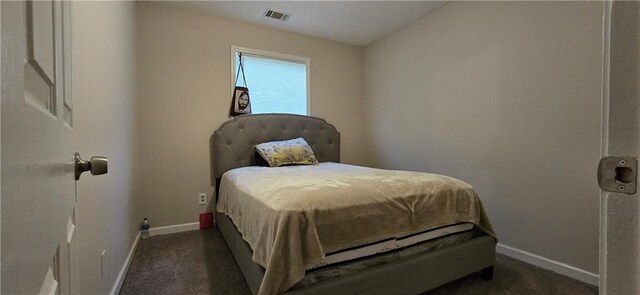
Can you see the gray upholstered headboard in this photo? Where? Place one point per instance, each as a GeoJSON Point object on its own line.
{"type": "Point", "coordinates": [232, 145]}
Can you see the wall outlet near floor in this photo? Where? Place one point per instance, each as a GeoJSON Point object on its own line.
{"type": "Point", "coordinates": [202, 198]}
{"type": "Point", "coordinates": [102, 262]}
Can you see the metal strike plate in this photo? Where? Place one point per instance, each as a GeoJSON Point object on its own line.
{"type": "Point", "coordinates": [618, 174]}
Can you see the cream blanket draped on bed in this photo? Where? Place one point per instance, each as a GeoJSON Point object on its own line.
{"type": "Point", "coordinates": [293, 216]}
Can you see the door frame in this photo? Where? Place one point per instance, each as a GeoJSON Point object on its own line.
{"type": "Point", "coordinates": [619, 258]}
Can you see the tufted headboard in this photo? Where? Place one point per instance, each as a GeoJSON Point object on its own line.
{"type": "Point", "coordinates": [232, 145]}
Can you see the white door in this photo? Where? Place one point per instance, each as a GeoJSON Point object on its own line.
{"type": "Point", "coordinates": [38, 172]}
{"type": "Point", "coordinates": [620, 212]}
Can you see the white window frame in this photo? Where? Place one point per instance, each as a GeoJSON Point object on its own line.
{"type": "Point", "coordinates": [271, 55]}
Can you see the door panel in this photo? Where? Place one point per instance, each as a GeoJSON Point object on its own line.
{"type": "Point", "coordinates": [67, 65]}
{"type": "Point", "coordinates": [39, 70]}
{"type": "Point", "coordinates": [39, 17]}
{"type": "Point", "coordinates": [72, 255]}
{"type": "Point", "coordinates": [38, 184]}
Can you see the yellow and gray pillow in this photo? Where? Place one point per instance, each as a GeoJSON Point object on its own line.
{"type": "Point", "coordinates": [288, 152]}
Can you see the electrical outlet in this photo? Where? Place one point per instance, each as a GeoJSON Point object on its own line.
{"type": "Point", "coordinates": [202, 198]}
{"type": "Point", "coordinates": [102, 262]}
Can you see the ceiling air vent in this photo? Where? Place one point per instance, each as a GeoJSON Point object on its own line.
{"type": "Point", "coordinates": [277, 15]}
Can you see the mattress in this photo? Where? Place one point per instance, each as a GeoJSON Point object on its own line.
{"type": "Point", "coordinates": [296, 218]}
{"type": "Point", "coordinates": [405, 260]}
{"type": "Point", "coordinates": [390, 244]}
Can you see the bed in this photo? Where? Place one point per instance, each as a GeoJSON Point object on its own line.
{"type": "Point", "coordinates": [321, 260]}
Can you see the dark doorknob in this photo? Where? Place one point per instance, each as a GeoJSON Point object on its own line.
{"type": "Point", "coordinates": [97, 165]}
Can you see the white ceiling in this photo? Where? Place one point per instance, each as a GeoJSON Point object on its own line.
{"type": "Point", "coordinates": [353, 22]}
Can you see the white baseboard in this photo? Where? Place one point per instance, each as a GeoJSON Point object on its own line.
{"type": "Point", "coordinates": [176, 228]}
{"type": "Point", "coordinates": [125, 267]}
{"type": "Point", "coordinates": [552, 265]}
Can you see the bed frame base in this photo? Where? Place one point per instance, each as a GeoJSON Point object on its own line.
{"type": "Point", "coordinates": [421, 273]}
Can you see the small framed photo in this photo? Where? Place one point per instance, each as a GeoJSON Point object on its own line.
{"type": "Point", "coordinates": [241, 101]}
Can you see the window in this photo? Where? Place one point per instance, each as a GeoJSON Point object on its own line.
{"type": "Point", "coordinates": [277, 83]}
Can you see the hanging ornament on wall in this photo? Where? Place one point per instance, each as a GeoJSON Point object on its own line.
{"type": "Point", "coordinates": [240, 102]}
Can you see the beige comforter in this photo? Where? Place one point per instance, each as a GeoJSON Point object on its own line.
{"type": "Point", "coordinates": [293, 216]}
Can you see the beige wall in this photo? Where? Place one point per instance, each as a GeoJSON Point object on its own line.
{"type": "Point", "coordinates": [104, 124]}
{"type": "Point", "coordinates": [505, 96]}
{"type": "Point", "coordinates": [184, 70]}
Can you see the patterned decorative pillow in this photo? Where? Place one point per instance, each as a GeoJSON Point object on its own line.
{"type": "Point", "coordinates": [287, 152]}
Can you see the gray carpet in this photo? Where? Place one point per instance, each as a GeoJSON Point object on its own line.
{"type": "Point", "coordinates": [199, 262]}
